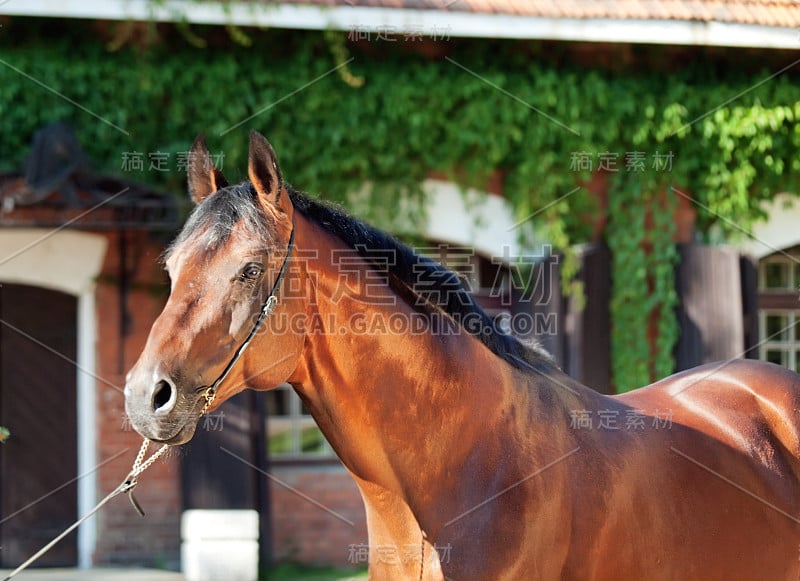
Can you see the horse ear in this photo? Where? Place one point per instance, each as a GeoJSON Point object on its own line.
{"type": "Point", "coordinates": [204, 179]}
{"type": "Point", "coordinates": [263, 170]}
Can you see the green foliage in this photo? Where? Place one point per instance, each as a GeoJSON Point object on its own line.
{"type": "Point", "coordinates": [4, 435]}
{"type": "Point", "coordinates": [392, 115]}
{"type": "Point", "coordinates": [640, 235]}
{"type": "Point", "coordinates": [298, 572]}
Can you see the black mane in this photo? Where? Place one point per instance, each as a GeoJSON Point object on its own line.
{"type": "Point", "coordinates": [414, 276]}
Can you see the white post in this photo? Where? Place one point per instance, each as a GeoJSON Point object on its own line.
{"type": "Point", "coordinates": [219, 545]}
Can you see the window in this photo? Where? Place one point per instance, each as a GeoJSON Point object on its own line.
{"type": "Point", "coordinates": [780, 274]}
{"type": "Point", "coordinates": [779, 308]}
{"type": "Point", "coordinates": [291, 431]}
{"type": "Point", "coordinates": [781, 343]}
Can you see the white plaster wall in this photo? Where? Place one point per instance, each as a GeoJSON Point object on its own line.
{"type": "Point", "coordinates": [780, 230]}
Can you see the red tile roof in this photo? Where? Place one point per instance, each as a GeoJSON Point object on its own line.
{"type": "Point", "coordinates": [784, 13]}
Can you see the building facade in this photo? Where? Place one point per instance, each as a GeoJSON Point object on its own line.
{"type": "Point", "coordinates": [99, 283]}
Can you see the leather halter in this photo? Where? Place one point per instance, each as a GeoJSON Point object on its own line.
{"type": "Point", "coordinates": [266, 310]}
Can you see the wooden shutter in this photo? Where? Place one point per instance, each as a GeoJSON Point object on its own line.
{"type": "Point", "coordinates": [710, 313]}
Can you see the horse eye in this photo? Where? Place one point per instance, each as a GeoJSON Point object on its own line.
{"type": "Point", "coordinates": [251, 272]}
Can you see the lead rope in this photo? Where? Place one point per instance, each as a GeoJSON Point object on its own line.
{"type": "Point", "coordinates": [139, 466]}
{"type": "Point", "coordinates": [126, 486]}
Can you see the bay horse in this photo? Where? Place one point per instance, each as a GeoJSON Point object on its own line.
{"type": "Point", "coordinates": [457, 434]}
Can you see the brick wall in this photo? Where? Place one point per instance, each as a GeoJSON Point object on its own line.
{"type": "Point", "coordinates": [307, 533]}
{"type": "Point", "coordinates": [123, 537]}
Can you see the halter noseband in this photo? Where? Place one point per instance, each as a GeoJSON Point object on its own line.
{"type": "Point", "coordinates": [266, 310]}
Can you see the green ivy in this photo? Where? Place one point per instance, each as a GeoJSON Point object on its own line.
{"type": "Point", "coordinates": [392, 115]}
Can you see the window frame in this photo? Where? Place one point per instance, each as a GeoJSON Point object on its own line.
{"type": "Point", "coordinates": [780, 301]}
{"type": "Point", "coordinates": [297, 422]}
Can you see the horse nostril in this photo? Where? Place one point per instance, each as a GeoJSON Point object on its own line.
{"type": "Point", "coordinates": [162, 395]}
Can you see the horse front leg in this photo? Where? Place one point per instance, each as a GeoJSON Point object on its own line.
{"type": "Point", "coordinates": [397, 547]}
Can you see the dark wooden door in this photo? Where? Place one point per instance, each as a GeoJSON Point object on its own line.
{"type": "Point", "coordinates": [588, 329]}
{"type": "Point", "coordinates": [712, 305]}
{"type": "Point", "coordinates": [38, 465]}
{"type": "Point", "coordinates": [214, 469]}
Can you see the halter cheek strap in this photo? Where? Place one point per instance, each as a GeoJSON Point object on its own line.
{"type": "Point", "coordinates": [266, 310]}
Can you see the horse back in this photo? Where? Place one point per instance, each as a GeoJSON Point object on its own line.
{"type": "Point", "coordinates": [745, 404]}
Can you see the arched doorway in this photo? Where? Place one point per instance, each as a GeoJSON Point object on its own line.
{"type": "Point", "coordinates": [67, 263]}
{"type": "Point", "coordinates": [38, 404]}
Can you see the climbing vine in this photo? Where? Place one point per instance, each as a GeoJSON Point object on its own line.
{"type": "Point", "coordinates": [380, 125]}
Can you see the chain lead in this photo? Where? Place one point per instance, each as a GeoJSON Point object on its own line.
{"type": "Point", "coordinates": [209, 395]}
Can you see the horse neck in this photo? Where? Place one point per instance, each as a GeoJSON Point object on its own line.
{"type": "Point", "coordinates": [393, 402]}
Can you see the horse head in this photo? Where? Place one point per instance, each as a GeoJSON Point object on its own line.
{"type": "Point", "coordinates": [226, 269]}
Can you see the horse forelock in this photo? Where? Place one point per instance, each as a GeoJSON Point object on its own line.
{"type": "Point", "coordinates": [211, 223]}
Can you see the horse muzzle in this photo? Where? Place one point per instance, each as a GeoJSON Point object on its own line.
{"type": "Point", "coordinates": [159, 411]}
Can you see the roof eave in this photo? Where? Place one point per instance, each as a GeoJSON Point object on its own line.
{"type": "Point", "coordinates": [431, 23]}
